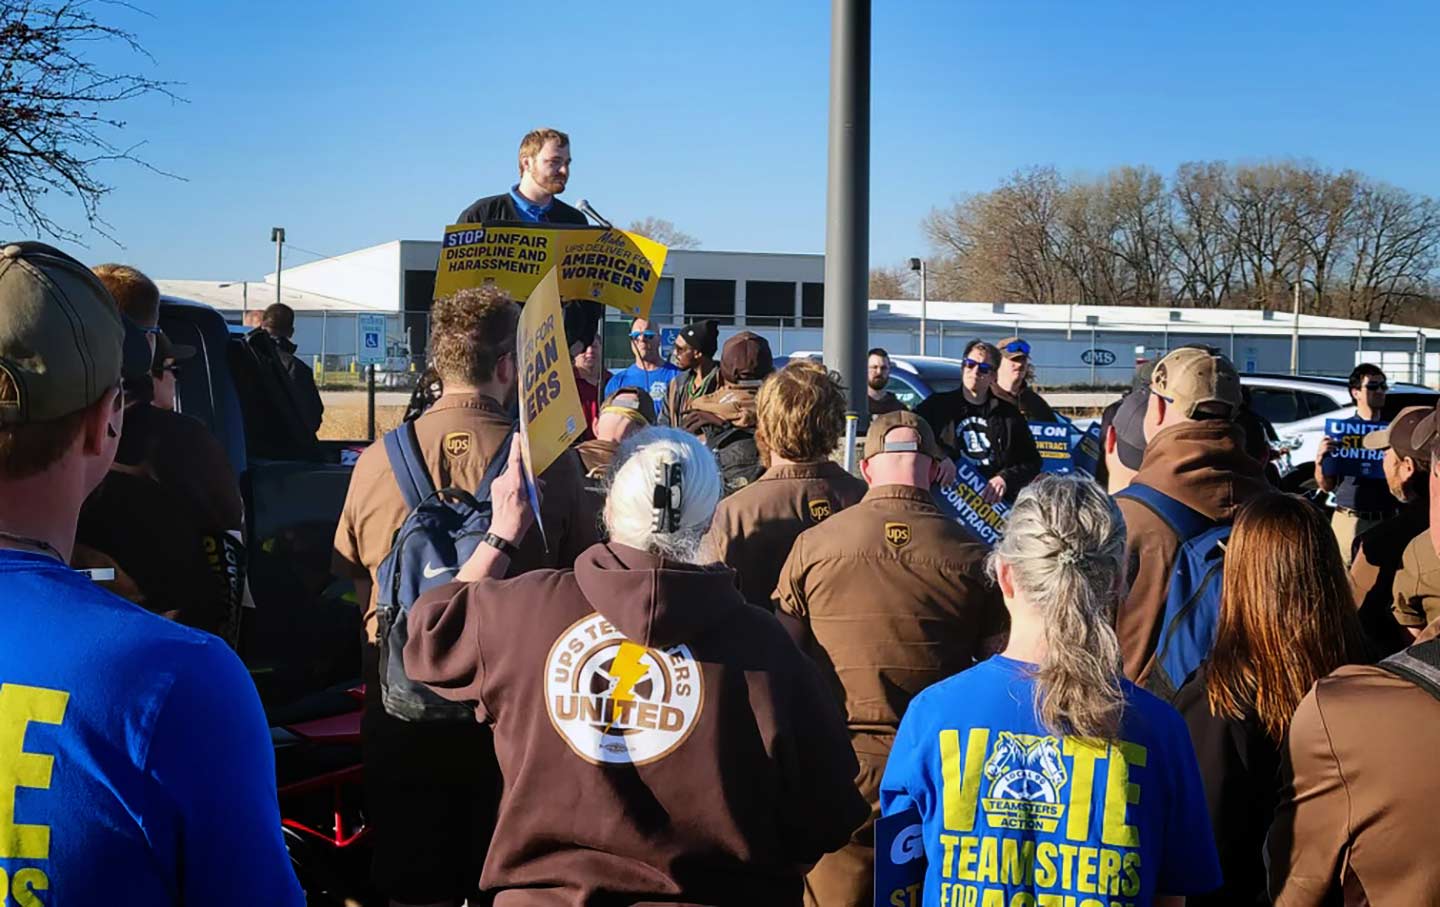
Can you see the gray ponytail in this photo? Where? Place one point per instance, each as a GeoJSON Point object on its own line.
{"type": "Point", "coordinates": [1065, 545]}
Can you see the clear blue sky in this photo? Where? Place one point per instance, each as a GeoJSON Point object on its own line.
{"type": "Point", "coordinates": [357, 123]}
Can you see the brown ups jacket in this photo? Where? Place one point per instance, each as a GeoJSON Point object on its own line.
{"type": "Point", "coordinates": [459, 436]}
{"type": "Point", "coordinates": [754, 528]}
{"type": "Point", "coordinates": [661, 740]}
{"type": "Point", "coordinates": [1362, 803]}
{"type": "Point", "coordinates": [894, 599]}
{"type": "Point", "coordinates": [1203, 465]}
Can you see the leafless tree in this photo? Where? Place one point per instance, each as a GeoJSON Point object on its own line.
{"type": "Point", "coordinates": [893, 282]}
{"type": "Point", "coordinates": [57, 119]}
{"type": "Point", "coordinates": [664, 232]}
{"type": "Point", "coordinates": [1215, 235]}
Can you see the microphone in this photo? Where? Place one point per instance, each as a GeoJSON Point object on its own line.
{"type": "Point", "coordinates": [584, 208]}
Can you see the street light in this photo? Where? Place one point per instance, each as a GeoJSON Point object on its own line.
{"type": "Point", "coordinates": [918, 264]}
{"type": "Point", "coordinates": [277, 236]}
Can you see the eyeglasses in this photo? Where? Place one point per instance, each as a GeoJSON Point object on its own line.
{"type": "Point", "coordinates": [636, 335]}
{"type": "Point", "coordinates": [1373, 386]}
{"type": "Point", "coordinates": [983, 368]}
{"type": "Point", "coordinates": [1018, 346]}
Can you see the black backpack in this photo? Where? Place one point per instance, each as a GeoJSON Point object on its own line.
{"type": "Point", "coordinates": [736, 452]}
{"type": "Point", "coordinates": [1419, 664]}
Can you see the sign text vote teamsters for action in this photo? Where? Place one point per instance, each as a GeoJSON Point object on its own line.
{"type": "Point", "coordinates": [608, 266]}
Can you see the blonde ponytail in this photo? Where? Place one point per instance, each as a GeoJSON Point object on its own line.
{"type": "Point", "coordinates": [1065, 546]}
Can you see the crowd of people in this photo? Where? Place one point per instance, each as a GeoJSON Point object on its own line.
{"type": "Point", "coordinates": [706, 660]}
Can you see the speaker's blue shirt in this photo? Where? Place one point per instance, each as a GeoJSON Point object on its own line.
{"type": "Point", "coordinates": [653, 380]}
{"type": "Point", "coordinates": [1012, 814]}
{"type": "Point", "coordinates": [135, 762]}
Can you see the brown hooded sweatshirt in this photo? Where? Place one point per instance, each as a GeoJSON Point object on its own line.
{"type": "Point", "coordinates": [662, 742]}
{"type": "Point", "coordinates": [1203, 465]}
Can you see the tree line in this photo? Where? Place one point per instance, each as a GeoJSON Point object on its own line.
{"type": "Point", "coordinates": [1212, 235]}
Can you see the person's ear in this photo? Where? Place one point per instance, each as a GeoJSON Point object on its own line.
{"type": "Point", "coordinates": [505, 369]}
{"type": "Point", "coordinates": [865, 471]}
{"type": "Point", "coordinates": [103, 422]}
{"type": "Point", "coordinates": [1112, 439]}
{"type": "Point", "coordinates": [1005, 576]}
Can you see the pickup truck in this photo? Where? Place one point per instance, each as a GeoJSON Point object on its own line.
{"type": "Point", "coordinates": [303, 634]}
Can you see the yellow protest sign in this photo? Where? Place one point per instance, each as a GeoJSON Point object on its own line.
{"type": "Point", "coordinates": [550, 413]}
{"type": "Point", "coordinates": [612, 267]}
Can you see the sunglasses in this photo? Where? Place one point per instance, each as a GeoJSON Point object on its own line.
{"type": "Point", "coordinates": [1371, 386]}
{"type": "Point", "coordinates": [637, 335]}
{"type": "Point", "coordinates": [983, 368]}
{"type": "Point", "coordinates": [1018, 346]}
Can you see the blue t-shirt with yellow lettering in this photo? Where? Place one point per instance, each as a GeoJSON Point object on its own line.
{"type": "Point", "coordinates": [1014, 816]}
{"type": "Point", "coordinates": [135, 762]}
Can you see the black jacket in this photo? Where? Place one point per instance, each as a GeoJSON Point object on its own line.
{"type": "Point", "coordinates": [501, 208]}
{"type": "Point", "coordinates": [312, 409]}
{"type": "Point", "coordinates": [1007, 448]}
{"type": "Point", "coordinates": [1240, 766]}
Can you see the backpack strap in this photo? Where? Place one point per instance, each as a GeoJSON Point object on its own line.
{"type": "Point", "coordinates": [407, 463]}
{"type": "Point", "coordinates": [1419, 664]}
{"type": "Point", "coordinates": [1185, 521]}
{"type": "Point", "coordinates": [495, 467]}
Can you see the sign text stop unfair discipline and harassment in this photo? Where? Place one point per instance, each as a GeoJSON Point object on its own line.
{"type": "Point", "coordinates": [608, 266]}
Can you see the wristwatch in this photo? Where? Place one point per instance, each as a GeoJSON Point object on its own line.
{"type": "Point", "coordinates": [505, 547]}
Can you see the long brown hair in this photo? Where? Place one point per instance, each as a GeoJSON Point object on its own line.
{"type": "Point", "coordinates": [1287, 616]}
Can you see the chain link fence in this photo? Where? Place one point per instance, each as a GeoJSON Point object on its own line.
{"type": "Point", "coordinates": [1078, 356]}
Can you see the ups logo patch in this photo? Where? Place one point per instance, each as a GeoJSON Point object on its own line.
{"type": "Point", "coordinates": [819, 510]}
{"type": "Point", "coordinates": [457, 443]}
{"type": "Point", "coordinates": [897, 535]}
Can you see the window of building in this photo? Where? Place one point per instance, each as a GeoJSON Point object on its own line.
{"type": "Point", "coordinates": [664, 303]}
{"type": "Point", "coordinates": [710, 299]}
{"type": "Point", "coordinates": [812, 305]}
{"type": "Point", "coordinates": [769, 303]}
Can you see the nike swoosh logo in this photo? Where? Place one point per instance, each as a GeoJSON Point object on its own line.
{"type": "Point", "coordinates": [432, 572]}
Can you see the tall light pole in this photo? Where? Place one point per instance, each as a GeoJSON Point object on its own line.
{"type": "Point", "coordinates": [1295, 333]}
{"type": "Point", "coordinates": [277, 236]}
{"type": "Point", "coordinates": [847, 208]}
{"type": "Point", "coordinates": [918, 264]}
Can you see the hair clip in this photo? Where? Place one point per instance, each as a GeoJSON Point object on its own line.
{"type": "Point", "coordinates": [665, 500]}
{"type": "Point", "coordinates": [1068, 556]}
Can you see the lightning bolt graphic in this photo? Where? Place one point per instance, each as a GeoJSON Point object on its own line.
{"type": "Point", "coordinates": [627, 671]}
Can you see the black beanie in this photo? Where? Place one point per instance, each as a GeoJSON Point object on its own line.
{"type": "Point", "coordinates": [703, 336]}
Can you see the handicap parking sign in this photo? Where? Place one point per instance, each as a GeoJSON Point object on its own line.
{"type": "Point", "coordinates": [372, 339]}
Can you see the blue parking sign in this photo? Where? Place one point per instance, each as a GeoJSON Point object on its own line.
{"type": "Point", "coordinates": [371, 349]}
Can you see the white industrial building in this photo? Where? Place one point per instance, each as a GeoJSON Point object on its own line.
{"type": "Point", "coordinates": [782, 297]}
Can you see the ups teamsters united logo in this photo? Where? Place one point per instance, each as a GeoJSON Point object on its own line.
{"type": "Point", "coordinates": [615, 701]}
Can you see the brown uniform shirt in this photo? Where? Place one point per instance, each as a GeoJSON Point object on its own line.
{"type": "Point", "coordinates": [754, 528]}
{"type": "Point", "coordinates": [1416, 599]}
{"type": "Point", "coordinates": [894, 599]}
{"type": "Point", "coordinates": [1361, 746]}
{"type": "Point", "coordinates": [1203, 465]}
{"type": "Point", "coordinates": [1372, 575]}
{"type": "Point", "coordinates": [661, 741]}
{"type": "Point", "coordinates": [596, 456]}
{"type": "Point", "coordinates": [459, 436]}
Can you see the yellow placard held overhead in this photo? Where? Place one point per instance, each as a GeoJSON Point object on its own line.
{"type": "Point", "coordinates": [550, 413]}
{"type": "Point", "coordinates": [612, 267]}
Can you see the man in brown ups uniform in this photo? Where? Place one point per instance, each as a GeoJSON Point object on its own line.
{"type": "Point", "coordinates": [888, 597]}
{"type": "Point", "coordinates": [430, 787]}
{"type": "Point", "coordinates": [801, 412]}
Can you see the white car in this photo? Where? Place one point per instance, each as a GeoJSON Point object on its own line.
{"type": "Point", "coordinates": [1298, 406]}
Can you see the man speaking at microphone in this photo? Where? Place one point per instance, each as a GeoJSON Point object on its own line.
{"type": "Point", "coordinates": [544, 170]}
